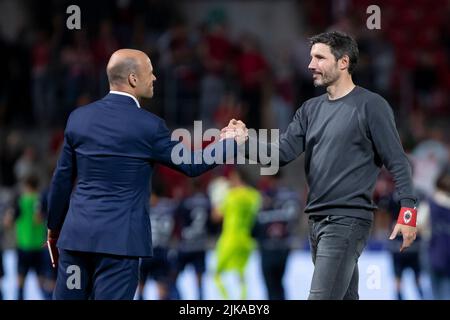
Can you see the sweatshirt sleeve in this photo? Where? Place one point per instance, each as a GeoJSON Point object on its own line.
{"type": "Point", "coordinates": [290, 145]}
{"type": "Point", "coordinates": [384, 135]}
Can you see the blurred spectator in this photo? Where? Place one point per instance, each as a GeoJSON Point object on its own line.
{"type": "Point", "coordinates": [300, 57]}
{"type": "Point", "coordinates": [159, 14]}
{"type": "Point", "coordinates": [281, 104]}
{"type": "Point", "coordinates": [215, 52]}
{"type": "Point", "coordinates": [383, 56]}
{"type": "Point", "coordinates": [429, 158]}
{"type": "Point", "coordinates": [4, 203]}
{"type": "Point", "coordinates": [30, 235]}
{"type": "Point", "coordinates": [434, 222]}
{"type": "Point", "coordinates": [193, 220]}
{"type": "Point", "coordinates": [283, 100]}
{"type": "Point", "coordinates": [275, 230]}
{"type": "Point", "coordinates": [253, 71]}
{"type": "Point", "coordinates": [77, 60]}
{"type": "Point", "coordinates": [103, 46]}
{"type": "Point", "coordinates": [216, 48]}
{"type": "Point", "coordinates": [217, 191]}
{"type": "Point", "coordinates": [180, 74]}
{"type": "Point", "coordinates": [228, 108]}
{"type": "Point", "coordinates": [17, 89]}
{"type": "Point", "coordinates": [43, 84]}
{"type": "Point", "coordinates": [27, 164]}
{"type": "Point", "coordinates": [161, 266]}
{"type": "Point", "coordinates": [425, 80]}
{"type": "Point", "coordinates": [10, 152]}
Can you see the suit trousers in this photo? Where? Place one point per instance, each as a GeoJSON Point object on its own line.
{"type": "Point", "coordinates": [95, 276]}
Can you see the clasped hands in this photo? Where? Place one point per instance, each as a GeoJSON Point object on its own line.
{"type": "Point", "coordinates": [237, 130]}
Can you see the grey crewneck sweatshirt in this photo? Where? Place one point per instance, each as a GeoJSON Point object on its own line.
{"type": "Point", "coordinates": [346, 142]}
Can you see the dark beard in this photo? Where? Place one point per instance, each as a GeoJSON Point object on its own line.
{"type": "Point", "coordinates": [327, 81]}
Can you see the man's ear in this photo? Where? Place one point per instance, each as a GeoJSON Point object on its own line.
{"type": "Point", "coordinates": [132, 80]}
{"type": "Point", "coordinates": [344, 62]}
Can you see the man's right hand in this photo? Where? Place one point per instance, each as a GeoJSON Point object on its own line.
{"type": "Point", "coordinates": [406, 226]}
{"type": "Point", "coordinates": [52, 238]}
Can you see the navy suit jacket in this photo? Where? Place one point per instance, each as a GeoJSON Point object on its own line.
{"type": "Point", "coordinates": [99, 194]}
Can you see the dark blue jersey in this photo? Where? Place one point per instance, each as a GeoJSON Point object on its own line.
{"type": "Point", "coordinates": [278, 218]}
{"type": "Point", "coordinates": [193, 219]}
{"type": "Point", "coordinates": [439, 252]}
{"type": "Point", "coordinates": [162, 217]}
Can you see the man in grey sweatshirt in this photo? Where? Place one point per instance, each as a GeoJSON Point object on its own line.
{"type": "Point", "coordinates": [347, 135]}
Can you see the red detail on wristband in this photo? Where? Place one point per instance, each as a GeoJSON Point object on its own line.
{"type": "Point", "coordinates": [407, 216]}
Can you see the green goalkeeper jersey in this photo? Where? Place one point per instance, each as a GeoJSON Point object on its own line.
{"type": "Point", "coordinates": [30, 230]}
{"type": "Point", "coordinates": [235, 244]}
{"type": "Point", "coordinates": [239, 209]}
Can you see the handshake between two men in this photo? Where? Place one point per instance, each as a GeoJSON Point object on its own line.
{"type": "Point", "coordinates": [236, 129]}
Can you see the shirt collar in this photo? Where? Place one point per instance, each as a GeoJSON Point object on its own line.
{"type": "Point", "coordinates": [126, 94]}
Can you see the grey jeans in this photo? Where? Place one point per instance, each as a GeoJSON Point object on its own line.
{"type": "Point", "coordinates": [336, 244]}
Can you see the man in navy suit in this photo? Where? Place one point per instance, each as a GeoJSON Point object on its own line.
{"type": "Point", "coordinates": [98, 201]}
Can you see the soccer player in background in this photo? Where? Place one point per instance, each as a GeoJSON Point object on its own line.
{"type": "Point", "coordinates": [434, 224]}
{"type": "Point", "coordinates": [276, 225]}
{"type": "Point", "coordinates": [235, 244]}
{"type": "Point", "coordinates": [193, 221]}
{"type": "Point", "coordinates": [30, 236]}
{"type": "Point", "coordinates": [160, 266]}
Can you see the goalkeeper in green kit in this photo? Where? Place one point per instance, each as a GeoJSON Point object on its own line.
{"type": "Point", "coordinates": [235, 245]}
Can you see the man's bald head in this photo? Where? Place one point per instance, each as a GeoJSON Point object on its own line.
{"type": "Point", "coordinates": [122, 63]}
{"type": "Point", "coordinates": [131, 70]}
